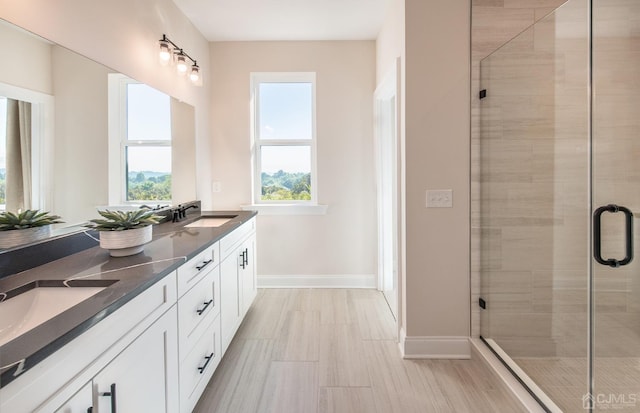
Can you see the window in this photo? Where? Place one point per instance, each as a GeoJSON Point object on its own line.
{"type": "Point", "coordinates": [143, 144]}
{"type": "Point", "coordinates": [285, 138]}
{"type": "Point", "coordinates": [30, 176]}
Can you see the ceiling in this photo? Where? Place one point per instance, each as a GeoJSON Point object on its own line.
{"type": "Point", "coordinates": [243, 20]}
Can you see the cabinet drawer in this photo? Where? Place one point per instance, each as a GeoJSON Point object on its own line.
{"type": "Point", "coordinates": [195, 269]}
{"type": "Point", "coordinates": [198, 367]}
{"type": "Point", "coordinates": [229, 243]}
{"type": "Point", "coordinates": [197, 308]}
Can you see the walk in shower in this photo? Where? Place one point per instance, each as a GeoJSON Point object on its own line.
{"type": "Point", "coordinates": [559, 181]}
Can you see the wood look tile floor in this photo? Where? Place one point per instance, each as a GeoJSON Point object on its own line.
{"type": "Point", "coordinates": [334, 350]}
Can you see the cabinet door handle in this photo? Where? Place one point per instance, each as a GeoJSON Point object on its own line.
{"type": "Point", "coordinates": [206, 304]}
{"type": "Point", "coordinates": [111, 394]}
{"type": "Point", "coordinates": [204, 264]}
{"type": "Point", "coordinates": [246, 256]}
{"type": "Point", "coordinates": [242, 263]}
{"type": "Point", "coordinates": [206, 363]}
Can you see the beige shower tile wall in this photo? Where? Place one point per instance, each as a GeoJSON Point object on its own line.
{"type": "Point", "coordinates": [616, 153]}
{"type": "Point", "coordinates": [546, 109]}
{"type": "Point", "coordinates": [493, 24]}
{"type": "Point", "coordinates": [533, 167]}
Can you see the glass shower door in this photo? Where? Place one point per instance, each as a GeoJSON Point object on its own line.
{"type": "Point", "coordinates": [616, 181]}
{"type": "Point", "coordinates": [534, 205]}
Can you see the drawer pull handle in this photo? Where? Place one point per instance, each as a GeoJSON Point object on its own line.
{"type": "Point", "coordinates": [111, 394]}
{"type": "Point", "coordinates": [243, 260]}
{"type": "Point", "coordinates": [206, 304]}
{"type": "Point", "coordinates": [206, 363]}
{"type": "Point", "coordinates": [204, 264]}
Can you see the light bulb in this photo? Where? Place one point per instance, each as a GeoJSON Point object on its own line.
{"type": "Point", "coordinates": [195, 73]}
{"type": "Point", "coordinates": [165, 52]}
{"type": "Point", "coordinates": [181, 64]}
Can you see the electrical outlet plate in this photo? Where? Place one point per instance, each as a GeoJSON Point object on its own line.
{"type": "Point", "coordinates": [216, 186]}
{"type": "Point", "coordinates": [439, 198]}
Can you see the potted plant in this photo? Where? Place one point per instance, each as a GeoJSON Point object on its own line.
{"type": "Point", "coordinates": [124, 233]}
{"type": "Point", "coordinates": [24, 227]}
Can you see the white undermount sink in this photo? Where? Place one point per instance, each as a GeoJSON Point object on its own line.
{"type": "Point", "coordinates": [33, 307]}
{"type": "Point", "coordinates": [208, 222]}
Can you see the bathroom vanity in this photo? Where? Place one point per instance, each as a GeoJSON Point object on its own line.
{"type": "Point", "coordinates": [138, 334]}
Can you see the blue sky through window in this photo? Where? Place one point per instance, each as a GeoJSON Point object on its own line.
{"type": "Point", "coordinates": [148, 118]}
{"type": "Point", "coordinates": [148, 113]}
{"type": "Point", "coordinates": [146, 158]}
{"type": "Point", "coordinates": [290, 159]}
{"type": "Point", "coordinates": [285, 111]}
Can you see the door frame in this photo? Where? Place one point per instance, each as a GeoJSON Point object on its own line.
{"type": "Point", "coordinates": [388, 89]}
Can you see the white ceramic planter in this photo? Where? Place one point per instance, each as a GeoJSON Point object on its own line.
{"type": "Point", "coordinates": [127, 242]}
{"type": "Point", "coordinates": [13, 238]}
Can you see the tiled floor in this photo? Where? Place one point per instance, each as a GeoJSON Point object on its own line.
{"type": "Point", "coordinates": [565, 381]}
{"type": "Point", "coordinates": [314, 350]}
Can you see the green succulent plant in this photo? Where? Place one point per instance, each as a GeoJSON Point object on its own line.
{"type": "Point", "coordinates": [123, 220]}
{"type": "Point", "coordinates": [30, 218]}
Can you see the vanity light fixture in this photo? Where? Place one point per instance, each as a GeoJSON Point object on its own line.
{"type": "Point", "coordinates": [195, 73]}
{"type": "Point", "coordinates": [181, 63]}
{"type": "Point", "coordinates": [165, 52]}
{"type": "Point", "coordinates": [169, 49]}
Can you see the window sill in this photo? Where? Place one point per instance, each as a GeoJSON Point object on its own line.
{"type": "Point", "coordinates": [286, 209]}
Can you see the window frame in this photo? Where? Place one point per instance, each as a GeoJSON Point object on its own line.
{"type": "Point", "coordinates": [42, 142]}
{"type": "Point", "coordinates": [256, 79]}
{"type": "Point", "coordinates": [119, 142]}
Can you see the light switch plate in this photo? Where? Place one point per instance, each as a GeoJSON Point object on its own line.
{"type": "Point", "coordinates": [439, 198]}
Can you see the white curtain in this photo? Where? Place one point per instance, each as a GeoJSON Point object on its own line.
{"type": "Point", "coordinates": [18, 177]}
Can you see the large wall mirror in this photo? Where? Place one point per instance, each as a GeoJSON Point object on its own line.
{"type": "Point", "coordinates": [76, 135]}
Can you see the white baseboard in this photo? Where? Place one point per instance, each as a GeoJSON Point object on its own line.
{"type": "Point", "coordinates": [434, 347]}
{"type": "Point", "coordinates": [318, 281]}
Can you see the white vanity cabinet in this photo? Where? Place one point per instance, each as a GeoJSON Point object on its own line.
{"type": "Point", "coordinates": [198, 326]}
{"type": "Point", "coordinates": [237, 278]}
{"type": "Point", "coordinates": [144, 377]}
{"type": "Point", "coordinates": [59, 382]}
{"type": "Point", "coordinates": [81, 402]}
{"type": "Point", "coordinates": [157, 352]}
{"type": "Point", "coordinates": [247, 271]}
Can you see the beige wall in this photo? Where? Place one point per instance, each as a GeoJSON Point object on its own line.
{"type": "Point", "coordinates": [437, 157]}
{"type": "Point", "coordinates": [432, 40]}
{"type": "Point", "coordinates": [80, 168]}
{"type": "Point", "coordinates": [123, 34]}
{"type": "Point", "coordinates": [30, 59]}
{"type": "Point", "coordinates": [342, 242]}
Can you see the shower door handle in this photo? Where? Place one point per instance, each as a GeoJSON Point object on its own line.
{"type": "Point", "coordinates": [597, 236]}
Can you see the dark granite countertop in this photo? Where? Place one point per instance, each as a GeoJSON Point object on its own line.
{"type": "Point", "coordinates": [172, 246]}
